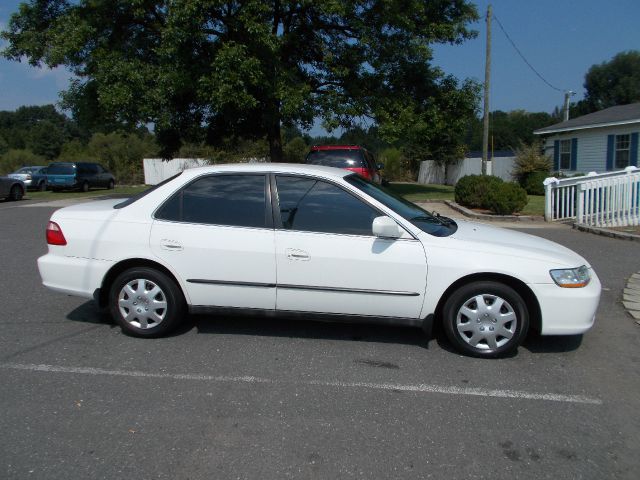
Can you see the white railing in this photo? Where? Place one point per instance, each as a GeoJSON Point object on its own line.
{"type": "Point", "coordinates": [609, 199]}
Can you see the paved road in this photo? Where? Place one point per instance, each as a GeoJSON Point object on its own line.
{"type": "Point", "coordinates": [260, 399]}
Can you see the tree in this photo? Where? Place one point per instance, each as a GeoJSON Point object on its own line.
{"type": "Point", "coordinates": [207, 70]}
{"type": "Point", "coordinates": [616, 82]}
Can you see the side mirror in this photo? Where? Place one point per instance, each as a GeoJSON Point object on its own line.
{"type": "Point", "coordinates": [385, 227]}
{"type": "Point", "coordinates": [380, 166]}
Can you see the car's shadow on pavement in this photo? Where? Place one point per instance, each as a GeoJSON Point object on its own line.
{"type": "Point", "coordinates": [277, 327]}
{"type": "Point", "coordinates": [287, 328]}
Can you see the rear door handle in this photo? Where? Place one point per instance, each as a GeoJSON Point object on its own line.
{"type": "Point", "coordinates": [295, 254]}
{"type": "Point", "coordinates": [170, 245]}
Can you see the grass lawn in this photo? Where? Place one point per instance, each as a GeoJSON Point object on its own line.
{"type": "Point", "coordinates": [50, 196]}
{"type": "Point", "coordinates": [423, 193]}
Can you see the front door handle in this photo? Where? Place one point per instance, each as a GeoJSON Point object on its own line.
{"type": "Point", "coordinates": [295, 254]}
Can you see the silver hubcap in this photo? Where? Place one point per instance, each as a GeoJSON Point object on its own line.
{"type": "Point", "coordinates": [142, 303]}
{"type": "Point", "coordinates": [486, 321]}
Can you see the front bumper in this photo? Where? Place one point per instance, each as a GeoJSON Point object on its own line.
{"type": "Point", "coordinates": [567, 311]}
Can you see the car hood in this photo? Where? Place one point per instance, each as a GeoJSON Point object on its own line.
{"type": "Point", "coordinates": [18, 176]}
{"type": "Point", "coordinates": [472, 236]}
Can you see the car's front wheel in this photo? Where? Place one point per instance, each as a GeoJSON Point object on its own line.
{"type": "Point", "coordinates": [485, 319]}
{"type": "Point", "coordinates": [146, 302]}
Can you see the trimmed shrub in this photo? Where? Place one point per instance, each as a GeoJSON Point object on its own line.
{"type": "Point", "coordinates": [396, 166]}
{"type": "Point", "coordinates": [507, 198]}
{"type": "Point", "coordinates": [530, 159]}
{"type": "Point", "coordinates": [472, 190]}
{"type": "Point", "coordinates": [533, 183]}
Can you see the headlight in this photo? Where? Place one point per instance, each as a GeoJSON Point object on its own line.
{"type": "Point", "coordinates": [571, 277]}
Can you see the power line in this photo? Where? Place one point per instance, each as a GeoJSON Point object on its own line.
{"type": "Point", "coordinates": [523, 57]}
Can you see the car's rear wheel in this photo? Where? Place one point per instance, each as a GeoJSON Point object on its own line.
{"type": "Point", "coordinates": [85, 187]}
{"type": "Point", "coordinates": [112, 185]}
{"type": "Point", "coordinates": [146, 302]}
{"type": "Point", "coordinates": [16, 193]}
{"type": "Point", "coordinates": [42, 186]}
{"type": "Point", "coordinates": [485, 319]}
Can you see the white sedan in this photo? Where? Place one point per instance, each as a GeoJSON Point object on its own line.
{"type": "Point", "coordinates": [314, 243]}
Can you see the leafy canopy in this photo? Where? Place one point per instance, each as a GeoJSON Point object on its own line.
{"type": "Point", "coordinates": [206, 70]}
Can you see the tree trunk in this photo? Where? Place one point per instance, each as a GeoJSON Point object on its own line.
{"type": "Point", "coordinates": [275, 139]}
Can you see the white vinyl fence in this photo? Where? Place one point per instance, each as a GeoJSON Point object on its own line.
{"type": "Point", "coordinates": [433, 173]}
{"type": "Point", "coordinates": [609, 199]}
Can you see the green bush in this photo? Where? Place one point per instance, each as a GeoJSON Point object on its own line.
{"type": "Point", "coordinates": [472, 190]}
{"type": "Point", "coordinates": [396, 166]}
{"type": "Point", "coordinates": [507, 198]}
{"type": "Point", "coordinates": [530, 159]}
{"type": "Point", "coordinates": [533, 183]}
{"type": "Point", "coordinates": [16, 158]}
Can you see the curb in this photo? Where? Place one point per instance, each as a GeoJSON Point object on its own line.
{"type": "Point", "coordinates": [496, 218]}
{"type": "Point", "coordinates": [631, 297]}
{"type": "Point", "coordinates": [606, 232]}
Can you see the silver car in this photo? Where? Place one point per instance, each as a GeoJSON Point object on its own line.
{"type": "Point", "coordinates": [12, 188]}
{"type": "Point", "coordinates": [34, 177]}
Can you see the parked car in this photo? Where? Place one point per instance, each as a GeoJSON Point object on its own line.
{"type": "Point", "coordinates": [12, 188]}
{"type": "Point", "coordinates": [350, 157]}
{"type": "Point", "coordinates": [312, 242]}
{"type": "Point", "coordinates": [79, 175]}
{"type": "Point", "coordinates": [33, 177]}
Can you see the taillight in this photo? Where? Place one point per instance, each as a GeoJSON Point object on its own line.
{"type": "Point", "coordinates": [363, 172]}
{"type": "Point", "coordinates": [29, 177]}
{"type": "Point", "coordinates": [55, 235]}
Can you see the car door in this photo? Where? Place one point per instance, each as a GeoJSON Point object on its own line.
{"type": "Point", "coordinates": [217, 235]}
{"type": "Point", "coordinates": [329, 261]}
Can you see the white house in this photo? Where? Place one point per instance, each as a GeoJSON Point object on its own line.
{"type": "Point", "coordinates": [600, 141]}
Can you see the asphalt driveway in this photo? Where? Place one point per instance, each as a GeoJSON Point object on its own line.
{"type": "Point", "coordinates": [256, 398]}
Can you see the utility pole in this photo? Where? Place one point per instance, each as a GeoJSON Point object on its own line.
{"type": "Point", "coordinates": [487, 75]}
{"type": "Point", "coordinates": [567, 96]}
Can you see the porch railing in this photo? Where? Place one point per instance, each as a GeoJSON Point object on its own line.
{"type": "Point", "coordinates": [609, 199]}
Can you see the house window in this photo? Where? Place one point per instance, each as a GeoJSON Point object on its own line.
{"type": "Point", "coordinates": [565, 154]}
{"type": "Point", "coordinates": [623, 144]}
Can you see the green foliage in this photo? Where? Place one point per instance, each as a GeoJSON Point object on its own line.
{"type": "Point", "coordinates": [205, 71]}
{"type": "Point", "coordinates": [506, 198]}
{"type": "Point", "coordinates": [530, 159]}
{"type": "Point", "coordinates": [16, 158]}
{"type": "Point", "coordinates": [396, 166]}
{"type": "Point", "coordinates": [473, 190]}
{"type": "Point", "coordinates": [616, 82]}
{"type": "Point", "coordinates": [295, 150]}
{"type": "Point", "coordinates": [534, 183]}
{"type": "Point", "coordinates": [122, 154]}
{"type": "Point", "coordinates": [508, 129]}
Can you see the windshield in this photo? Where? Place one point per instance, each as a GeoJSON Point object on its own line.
{"type": "Point", "coordinates": [336, 158]}
{"type": "Point", "coordinates": [61, 169]}
{"type": "Point", "coordinates": [434, 225]}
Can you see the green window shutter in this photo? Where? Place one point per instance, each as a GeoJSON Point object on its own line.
{"type": "Point", "coordinates": [556, 155]}
{"type": "Point", "coordinates": [634, 149]}
{"type": "Point", "coordinates": [610, 143]}
{"type": "Point", "coordinates": [574, 154]}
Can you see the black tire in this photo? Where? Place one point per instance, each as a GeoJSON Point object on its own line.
{"type": "Point", "coordinates": [85, 186]}
{"type": "Point", "coordinates": [16, 193]}
{"type": "Point", "coordinates": [480, 329]}
{"type": "Point", "coordinates": [111, 185]}
{"type": "Point", "coordinates": [42, 186]}
{"type": "Point", "coordinates": [121, 302]}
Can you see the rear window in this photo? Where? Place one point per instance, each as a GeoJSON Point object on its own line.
{"type": "Point", "coordinates": [61, 169]}
{"type": "Point", "coordinates": [336, 158]}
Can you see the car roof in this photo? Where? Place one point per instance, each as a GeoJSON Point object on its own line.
{"type": "Point", "coordinates": [271, 168]}
{"type": "Point", "coordinates": [337, 147]}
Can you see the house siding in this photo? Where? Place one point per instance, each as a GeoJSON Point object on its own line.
{"type": "Point", "coordinates": [592, 146]}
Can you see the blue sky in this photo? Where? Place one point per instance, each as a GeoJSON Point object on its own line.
{"type": "Point", "coordinates": [560, 38]}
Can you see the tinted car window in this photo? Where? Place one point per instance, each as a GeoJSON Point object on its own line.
{"type": "Point", "coordinates": [425, 221]}
{"type": "Point", "coordinates": [61, 169]}
{"type": "Point", "coordinates": [336, 158]}
{"type": "Point", "coordinates": [236, 200]}
{"type": "Point", "coordinates": [316, 206]}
